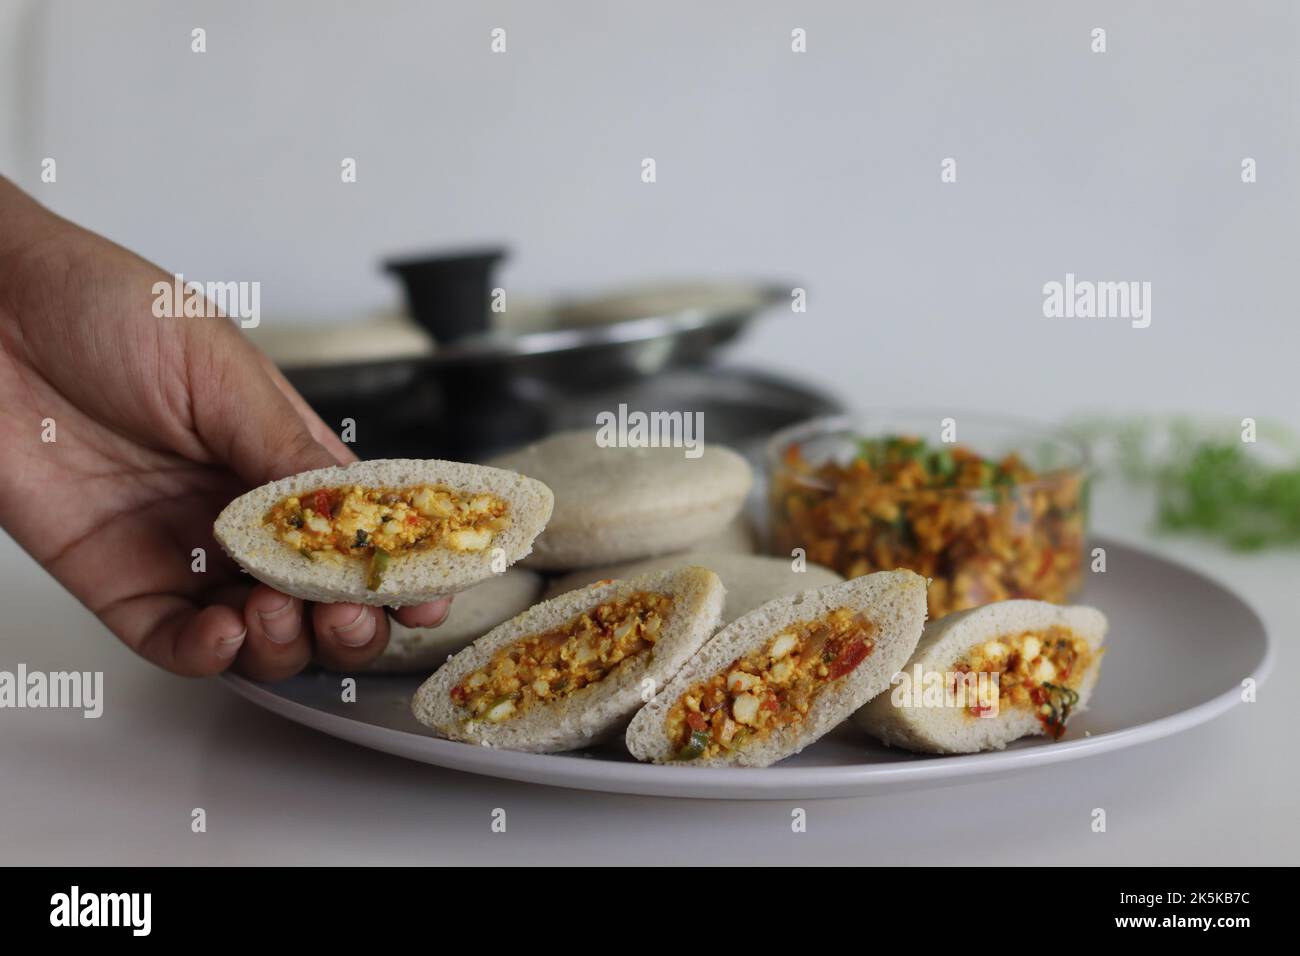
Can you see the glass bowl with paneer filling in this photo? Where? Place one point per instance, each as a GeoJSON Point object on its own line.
{"type": "Point", "coordinates": [376, 525]}
{"type": "Point", "coordinates": [551, 665]}
{"type": "Point", "coordinates": [999, 513]}
{"type": "Point", "coordinates": [770, 688]}
{"type": "Point", "coordinates": [1038, 670]}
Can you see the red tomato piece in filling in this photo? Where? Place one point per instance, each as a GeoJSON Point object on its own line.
{"type": "Point", "coordinates": [849, 658]}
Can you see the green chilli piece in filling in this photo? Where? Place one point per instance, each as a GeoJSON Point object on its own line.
{"type": "Point", "coordinates": [695, 746]}
{"type": "Point", "coordinates": [375, 568]}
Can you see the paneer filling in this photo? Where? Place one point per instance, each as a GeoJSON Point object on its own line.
{"type": "Point", "coordinates": [1041, 670]}
{"type": "Point", "coordinates": [374, 524]}
{"type": "Point", "coordinates": [771, 688]}
{"type": "Point", "coordinates": [556, 663]}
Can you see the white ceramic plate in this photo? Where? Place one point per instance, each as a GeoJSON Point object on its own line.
{"type": "Point", "coordinates": [1179, 648]}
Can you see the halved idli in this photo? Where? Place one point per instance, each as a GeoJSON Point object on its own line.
{"type": "Point", "coordinates": [776, 679]}
{"type": "Point", "coordinates": [569, 672]}
{"type": "Point", "coordinates": [386, 532]}
{"type": "Point", "coordinates": [984, 677]}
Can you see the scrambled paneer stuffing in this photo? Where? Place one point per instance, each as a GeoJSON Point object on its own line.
{"type": "Point", "coordinates": [981, 529]}
{"type": "Point", "coordinates": [546, 667]}
{"type": "Point", "coordinates": [770, 688]}
{"type": "Point", "coordinates": [1041, 670]}
{"type": "Point", "coordinates": [376, 523]}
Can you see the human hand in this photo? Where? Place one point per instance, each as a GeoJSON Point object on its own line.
{"type": "Point", "coordinates": [158, 423]}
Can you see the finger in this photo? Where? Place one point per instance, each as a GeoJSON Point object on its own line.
{"type": "Point", "coordinates": [315, 424]}
{"type": "Point", "coordinates": [195, 644]}
{"type": "Point", "coordinates": [243, 418]}
{"type": "Point", "coordinates": [277, 644]}
{"type": "Point", "coordinates": [348, 636]}
{"type": "Point", "coordinates": [430, 614]}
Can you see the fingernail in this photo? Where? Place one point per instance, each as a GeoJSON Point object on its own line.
{"type": "Point", "coordinates": [441, 615]}
{"type": "Point", "coordinates": [228, 647]}
{"type": "Point", "coordinates": [280, 625]}
{"type": "Point", "coordinates": [359, 632]}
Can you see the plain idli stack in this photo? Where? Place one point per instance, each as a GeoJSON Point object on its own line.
{"type": "Point", "coordinates": [778, 678]}
{"type": "Point", "coordinates": [739, 537]}
{"type": "Point", "coordinates": [617, 503]}
{"type": "Point", "coordinates": [982, 678]}
{"type": "Point", "coordinates": [569, 672]}
{"type": "Point", "coordinates": [750, 579]}
{"type": "Point", "coordinates": [385, 532]}
{"type": "Point", "coordinates": [421, 650]}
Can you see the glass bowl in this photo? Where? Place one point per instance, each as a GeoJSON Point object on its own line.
{"type": "Point", "coordinates": [999, 513]}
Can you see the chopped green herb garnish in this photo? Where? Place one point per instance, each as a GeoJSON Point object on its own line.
{"type": "Point", "coordinates": [1207, 481]}
{"type": "Point", "coordinates": [1220, 490]}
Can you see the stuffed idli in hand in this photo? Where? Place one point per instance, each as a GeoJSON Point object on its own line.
{"type": "Point", "coordinates": [387, 532]}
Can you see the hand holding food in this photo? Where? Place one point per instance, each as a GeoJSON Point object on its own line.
{"type": "Point", "coordinates": [125, 433]}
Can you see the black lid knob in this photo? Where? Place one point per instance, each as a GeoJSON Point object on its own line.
{"type": "Point", "coordinates": [449, 294]}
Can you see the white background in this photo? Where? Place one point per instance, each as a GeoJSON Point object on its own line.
{"type": "Point", "coordinates": [823, 167]}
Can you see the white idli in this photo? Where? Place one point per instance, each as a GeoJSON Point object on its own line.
{"type": "Point", "coordinates": [616, 504]}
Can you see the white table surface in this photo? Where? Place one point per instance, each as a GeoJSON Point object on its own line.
{"type": "Point", "coordinates": [121, 789]}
